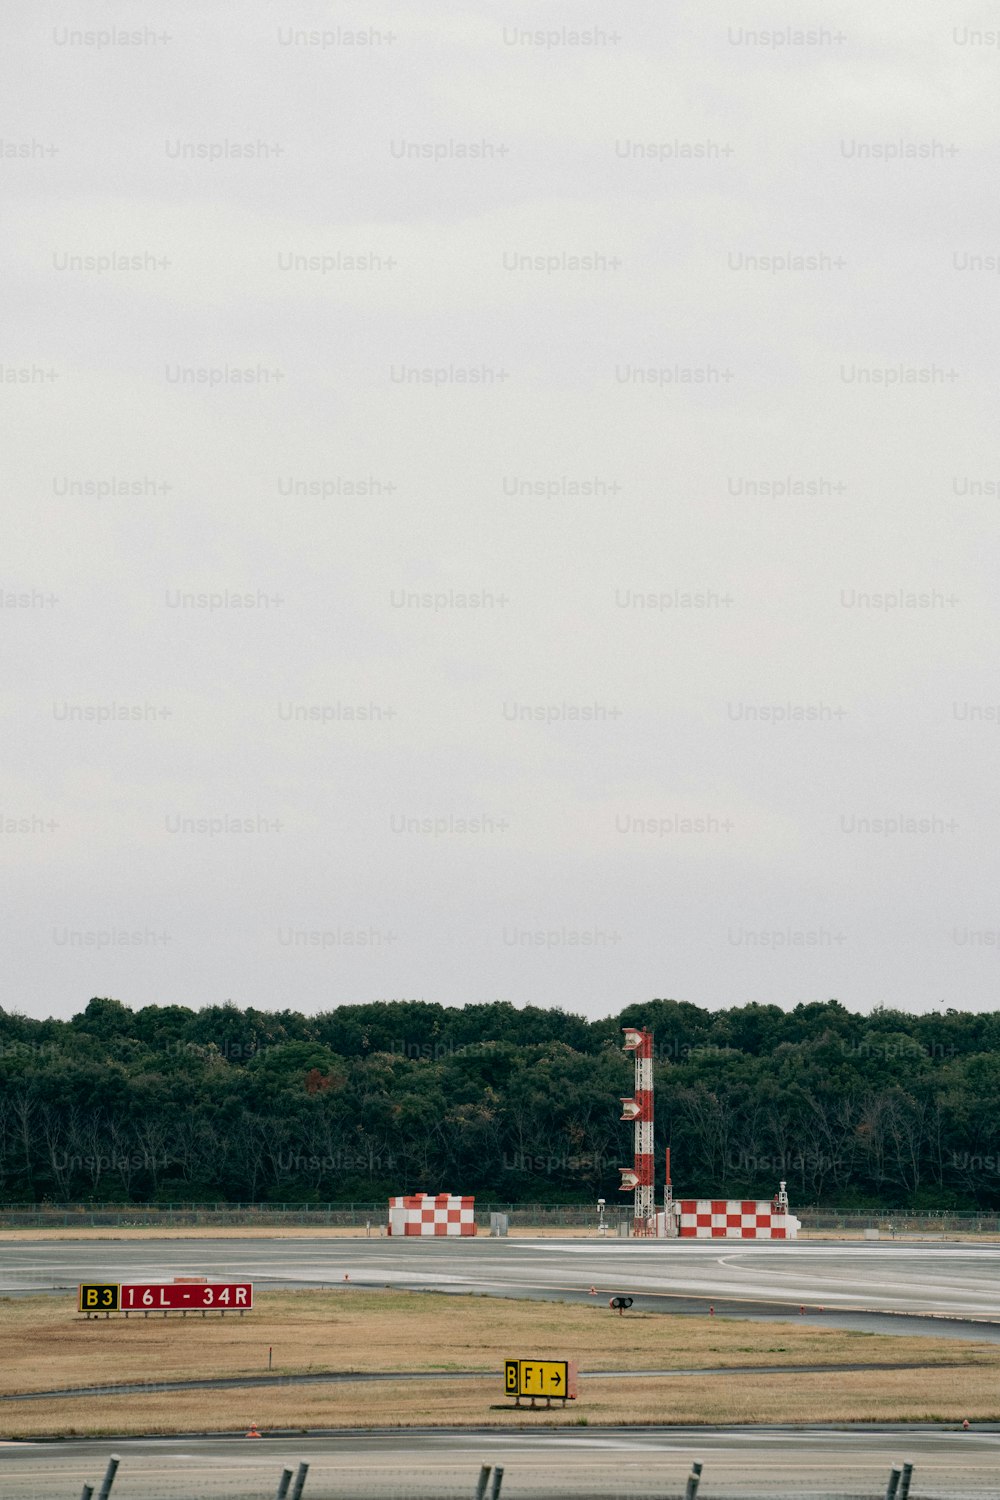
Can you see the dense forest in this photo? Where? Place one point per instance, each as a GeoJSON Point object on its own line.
{"type": "Point", "coordinates": [514, 1105]}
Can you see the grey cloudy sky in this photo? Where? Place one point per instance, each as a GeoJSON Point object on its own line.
{"type": "Point", "coordinates": [501, 503]}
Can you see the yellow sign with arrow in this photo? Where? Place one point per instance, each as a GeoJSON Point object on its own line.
{"type": "Point", "coordinates": [540, 1377]}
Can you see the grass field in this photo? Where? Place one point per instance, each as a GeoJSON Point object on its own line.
{"type": "Point", "coordinates": [47, 1345]}
{"type": "Point", "coordinates": [194, 1232]}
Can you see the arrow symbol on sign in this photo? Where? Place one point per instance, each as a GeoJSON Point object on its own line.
{"type": "Point", "coordinates": [556, 1378]}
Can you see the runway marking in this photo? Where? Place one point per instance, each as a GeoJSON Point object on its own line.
{"type": "Point", "coordinates": [759, 1247]}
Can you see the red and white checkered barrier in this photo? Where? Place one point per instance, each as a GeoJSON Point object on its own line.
{"type": "Point", "coordinates": [733, 1219]}
{"type": "Point", "coordinates": [425, 1214]}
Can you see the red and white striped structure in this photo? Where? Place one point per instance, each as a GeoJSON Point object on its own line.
{"type": "Point", "coordinates": [640, 1109]}
{"type": "Point", "coordinates": [426, 1214]}
{"type": "Point", "coordinates": [729, 1218]}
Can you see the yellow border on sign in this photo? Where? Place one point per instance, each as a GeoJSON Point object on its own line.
{"type": "Point", "coordinates": [544, 1369]}
{"type": "Point", "coordinates": [85, 1285]}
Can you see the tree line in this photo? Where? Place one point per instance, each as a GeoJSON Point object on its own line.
{"type": "Point", "coordinates": [515, 1105]}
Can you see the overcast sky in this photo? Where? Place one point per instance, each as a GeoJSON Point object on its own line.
{"type": "Point", "coordinates": [500, 503]}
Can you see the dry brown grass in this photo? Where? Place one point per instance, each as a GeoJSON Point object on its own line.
{"type": "Point", "coordinates": [46, 1345]}
{"type": "Point", "coordinates": [291, 1231]}
{"type": "Point", "coordinates": [255, 1232]}
{"type": "Point", "coordinates": [891, 1396]}
{"type": "Point", "coordinates": [909, 1236]}
{"type": "Point", "coordinates": [189, 1232]}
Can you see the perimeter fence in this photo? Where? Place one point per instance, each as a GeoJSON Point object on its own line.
{"type": "Point", "coordinates": [371, 1217]}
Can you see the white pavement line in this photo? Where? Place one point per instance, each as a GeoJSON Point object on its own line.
{"type": "Point", "coordinates": [674, 1249]}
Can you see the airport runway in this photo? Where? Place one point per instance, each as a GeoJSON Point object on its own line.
{"type": "Point", "coordinates": [595, 1463]}
{"type": "Point", "coordinates": [897, 1287]}
{"type": "Point", "coordinates": [850, 1281]}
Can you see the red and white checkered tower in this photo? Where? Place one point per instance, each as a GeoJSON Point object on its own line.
{"type": "Point", "coordinates": [640, 1110]}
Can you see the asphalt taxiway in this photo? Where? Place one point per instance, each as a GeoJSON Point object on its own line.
{"type": "Point", "coordinates": [582, 1463]}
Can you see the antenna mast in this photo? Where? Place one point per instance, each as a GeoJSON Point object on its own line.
{"type": "Point", "coordinates": [639, 1109]}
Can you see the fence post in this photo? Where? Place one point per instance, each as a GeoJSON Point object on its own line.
{"type": "Point", "coordinates": [283, 1483]}
{"type": "Point", "coordinates": [895, 1474]}
{"type": "Point", "coordinates": [482, 1482]}
{"type": "Point", "coordinates": [87, 1493]}
{"type": "Point", "coordinates": [904, 1483]}
{"type": "Point", "coordinates": [300, 1480]}
{"type": "Point", "coordinates": [109, 1477]}
{"type": "Point", "coordinates": [693, 1480]}
{"type": "Point", "coordinates": [497, 1482]}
